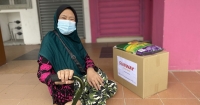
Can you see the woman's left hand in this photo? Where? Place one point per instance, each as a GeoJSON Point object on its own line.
{"type": "Point", "coordinates": [94, 79]}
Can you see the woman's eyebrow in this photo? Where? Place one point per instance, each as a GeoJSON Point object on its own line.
{"type": "Point", "coordinates": [69, 16]}
{"type": "Point", "coordinates": [64, 15]}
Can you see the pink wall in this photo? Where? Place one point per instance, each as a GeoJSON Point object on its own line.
{"type": "Point", "coordinates": [181, 36]}
{"type": "Point", "coordinates": [147, 19]}
{"type": "Point", "coordinates": [93, 19]}
{"type": "Point", "coordinates": [157, 22]}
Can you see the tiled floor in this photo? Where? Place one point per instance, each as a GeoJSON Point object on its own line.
{"type": "Point", "coordinates": [19, 84]}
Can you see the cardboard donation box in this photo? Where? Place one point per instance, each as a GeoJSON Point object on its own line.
{"type": "Point", "coordinates": [143, 75]}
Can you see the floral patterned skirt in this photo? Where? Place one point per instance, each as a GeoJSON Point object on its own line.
{"type": "Point", "coordinates": [91, 96]}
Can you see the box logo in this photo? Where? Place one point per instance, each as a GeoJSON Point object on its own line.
{"type": "Point", "coordinates": [126, 66]}
{"type": "Point", "coordinates": [127, 70]}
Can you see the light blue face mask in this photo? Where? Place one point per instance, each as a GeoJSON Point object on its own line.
{"type": "Point", "coordinates": [66, 27]}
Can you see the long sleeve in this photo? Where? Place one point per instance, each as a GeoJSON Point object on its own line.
{"type": "Point", "coordinates": [60, 93]}
{"type": "Point", "coordinates": [44, 71]}
{"type": "Point", "coordinates": [88, 62]}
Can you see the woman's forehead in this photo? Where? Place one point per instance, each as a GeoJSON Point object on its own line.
{"type": "Point", "coordinates": [67, 12]}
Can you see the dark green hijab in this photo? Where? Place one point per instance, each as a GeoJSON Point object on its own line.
{"type": "Point", "coordinates": [54, 51]}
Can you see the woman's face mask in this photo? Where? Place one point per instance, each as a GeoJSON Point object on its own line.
{"type": "Point", "coordinates": [66, 22]}
{"type": "Point", "coordinates": [66, 27]}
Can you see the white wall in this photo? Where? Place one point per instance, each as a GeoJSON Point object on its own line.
{"type": "Point", "coordinates": [4, 26]}
{"type": "Point", "coordinates": [29, 22]}
{"type": "Point", "coordinates": [11, 18]}
{"type": "Point", "coordinates": [86, 10]}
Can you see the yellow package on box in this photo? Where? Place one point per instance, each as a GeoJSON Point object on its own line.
{"type": "Point", "coordinates": [143, 75]}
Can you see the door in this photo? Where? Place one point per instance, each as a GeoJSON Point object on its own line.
{"type": "Point", "coordinates": [47, 8]}
{"type": "Point", "coordinates": [116, 18]}
{"type": "Point", "coordinates": [2, 51]}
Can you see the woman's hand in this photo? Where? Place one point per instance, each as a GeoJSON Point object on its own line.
{"type": "Point", "coordinates": [70, 103]}
{"type": "Point", "coordinates": [94, 79]}
{"type": "Point", "coordinates": [65, 76]}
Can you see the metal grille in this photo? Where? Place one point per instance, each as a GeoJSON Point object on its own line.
{"type": "Point", "coordinates": [4, 2]}
{"type": "Point", "coordinates": [47, 8]}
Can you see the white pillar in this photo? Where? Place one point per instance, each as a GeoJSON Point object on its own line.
{"type": "Point", "coordinates": [87, 26]}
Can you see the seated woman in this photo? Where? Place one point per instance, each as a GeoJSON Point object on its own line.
{"type": "Point", "coordinates": [55, 59]}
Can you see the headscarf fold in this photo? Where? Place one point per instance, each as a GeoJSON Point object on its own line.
{"type": "Point", "coordinates": [54, 51]}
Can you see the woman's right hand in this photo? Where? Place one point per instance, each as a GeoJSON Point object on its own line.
{"type": "Point", "coordinates": [65, 76]}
